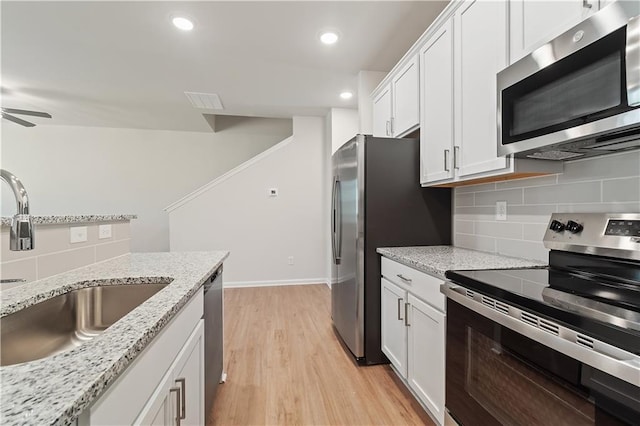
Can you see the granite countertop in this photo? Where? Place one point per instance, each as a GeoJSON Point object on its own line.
{"type": "Point", "coordinates": [64, 219]}
{"type": "Point", "coordinates": [437, 260]}
{"type": "Point", "coordinates": [57, 389]}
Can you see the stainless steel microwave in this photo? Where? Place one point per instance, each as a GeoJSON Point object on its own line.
{"type": "Point", "coordinates": [578, 95]}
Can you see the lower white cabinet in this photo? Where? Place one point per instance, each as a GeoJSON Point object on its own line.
{"type": "Point", "coordinates": [179, 398]}
{"type": "Point", "coordinates": [164, 385]}
{"type": "Point", "coordinates": [413, 332]}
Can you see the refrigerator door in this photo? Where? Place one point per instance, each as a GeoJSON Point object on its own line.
{"type": "Point", "coordinates": [347, 302]}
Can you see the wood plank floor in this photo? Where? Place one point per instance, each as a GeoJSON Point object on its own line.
{"type": "Point", "coordinates": [285, 366]}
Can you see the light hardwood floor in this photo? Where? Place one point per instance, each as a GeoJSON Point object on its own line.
{"type": "Point", "coordinates": [285, 366]}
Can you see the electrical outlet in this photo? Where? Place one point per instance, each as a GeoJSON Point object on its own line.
{"type": "Point", "coordinates": [290, 260]}
{"type": "Point", "coordinates": [77, 234]}
{"type": "Point", "coordinates": [104, 231]}
{"type": "Point", "coordinates": [273, 192]}
{"type": "Point", "coordinates": [501, 210]}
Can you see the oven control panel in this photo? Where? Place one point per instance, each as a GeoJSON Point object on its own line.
{"type": "Point", "coordinates": [623, 228]}
{"type": "Point", "coordinates": [607, 234]}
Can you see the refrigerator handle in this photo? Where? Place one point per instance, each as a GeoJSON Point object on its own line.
{"type": "Point", "coordinates": [338, 221]}
{"type": "Point", "coordinates": [333, 218]}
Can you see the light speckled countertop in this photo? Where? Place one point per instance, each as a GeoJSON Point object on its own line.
{"type": "Point", "coordinates": [64, 219]}
{"type": "Point", "coordinates": [57, 389]}
{"type": "Point", "coordinates": [437, 260]}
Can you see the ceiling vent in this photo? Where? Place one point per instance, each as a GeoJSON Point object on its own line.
{"type": "Point", "coordinates": [204, 100]}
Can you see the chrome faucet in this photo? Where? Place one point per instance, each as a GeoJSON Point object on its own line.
{"type": "Point", "coordinates": [21, 237]}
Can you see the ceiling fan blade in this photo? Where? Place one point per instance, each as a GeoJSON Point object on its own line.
{"type": "Point", "coordinates": [17, 120]}
{"type": "Point", "coordinates": [26, 112]}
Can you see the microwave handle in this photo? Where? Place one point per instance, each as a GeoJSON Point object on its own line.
{"type": "Point", "coordinates": [633, 61]}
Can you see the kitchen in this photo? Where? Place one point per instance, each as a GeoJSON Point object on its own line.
{"type": "Point", "coordinates": [277, 233]}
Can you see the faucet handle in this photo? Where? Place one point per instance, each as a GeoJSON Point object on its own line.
{"type": "Point", "coordinates": [21, 233]}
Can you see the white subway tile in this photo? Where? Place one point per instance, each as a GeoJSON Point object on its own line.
{"type": "Point", "coordinates": [475, 188]}
{"type": "Point", "coordinates": [475, 242]}
{"type": "Point", "coordinates": [499, 229]}
{"type": "Point", "coordinates": [579, 192]}
{"type": "Point", "coordinates": [464, 226]}
{"type": "Point", "coordinates": [605, 167]}
{"type": "Point", "coordinates": [522, 249]}
{"type": "Point", "coordinates": [533, 231]}
{"type": "Point", "coordinates": [111, 250]}
{"type": "Point", "coordinates": [59, 262]}
{"type": "Point", "coordinates": [523, 183]}
{"type": "Point", "coordinates": [632, 207]}
{"type": "Point", "coordinates": [511, 196]}
{"type": "Point", "coordinates": [621, 190]}
{"type": "Point", "coordinates": [464, 200]}
{"type": "Point", "coordinates": [25, 269]}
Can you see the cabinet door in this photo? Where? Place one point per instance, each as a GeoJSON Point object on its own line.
{"type": "Point", "coordinates": [426, 361]}
{"type": "Point", "coordinates": [406, 99]}
{"type": "Point", "coordinates": [161, 408]}
{"type": "Point", "coordinates": [189, 377]}
{"type": "Point", "coordinates": [480, 52]}
{"type": "Point", "coordinates": [533, 23]}
{"type": "Point", "coordinates": [394, 331]}
{"type": "Point", "coordinates": [382, 113]}
{"type": "Point", "coordinates": [436, 83]}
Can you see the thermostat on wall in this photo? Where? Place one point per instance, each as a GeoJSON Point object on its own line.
{"type": "Point", "coordinates": [273, 192]}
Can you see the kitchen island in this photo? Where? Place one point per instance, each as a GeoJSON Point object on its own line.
{"type": "Point", "coordinates": [59, 388]}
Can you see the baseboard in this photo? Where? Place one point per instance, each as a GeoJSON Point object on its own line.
{"type": "Point", "coordinates": [305, 281]}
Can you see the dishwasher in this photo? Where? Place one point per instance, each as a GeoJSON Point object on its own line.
{"type": "Point", "coordinates": [213, 338]}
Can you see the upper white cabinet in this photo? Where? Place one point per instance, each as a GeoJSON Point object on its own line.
{"type": "Point", "coordinates": [396, 104]}
{"type": "Point", "coordinates": [382, 112]}
{"type": "Point", "coordinates": [480, 51]}
{"type": "Point", "coordinates": [534, 23]}
{"type": "Point", "coordinates": [436, 81]}
{"type": "Point", "coordinates": [459, 63]}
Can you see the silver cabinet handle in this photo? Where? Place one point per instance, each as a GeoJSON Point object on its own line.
{"type": "Point", "coordinates": [446, 160]}
{"type": "Point", "coordinates": [183, 398]}
{"type": "Point", "coordinates": [406, 314]}
{"type": "Point", "coordinates": [586, 4]}
{"type": "Point", "coordinates": [399, 303]}
{"type": "Point", "coordinates": [388, 125]}
{"type": "Point", "coordinates": [456, 155]}
{"type": "Point", "coordinates": [633, 61]}
{"type": "Point", "coordinates": [177, 391]}
{"type": "Point", "coordinates": [403, 278]}
{"type": "Point", "coordinates": [391, 127]}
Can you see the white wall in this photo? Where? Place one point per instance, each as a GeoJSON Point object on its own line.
{"type": "Point", "coordinates": [261, 231]}
{"type": "Point", "coordinates": [597, 185]}
{"type": "Point", "coordinates": [343, 123]}
{"type": "Point", "coordinates": [90, 170]}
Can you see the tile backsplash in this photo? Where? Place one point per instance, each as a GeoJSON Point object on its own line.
{"type": "Point", "coordinates": [602, 184]}
{"type": "Point", "coordinates": [54, 254]}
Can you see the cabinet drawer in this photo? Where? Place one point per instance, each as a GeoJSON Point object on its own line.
{"type": "Point", "coordinates": [422, 285]}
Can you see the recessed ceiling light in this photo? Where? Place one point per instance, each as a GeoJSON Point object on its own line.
{"type": "Point", "coordinates": [346, 95]}
{"type": "Point", "coordinates": [329, 37]}
{"type": "Point", "coordinates": [182, 23]}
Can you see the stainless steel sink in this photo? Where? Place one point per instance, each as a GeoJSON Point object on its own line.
{"type": "Point", "coordinates": [66, 321]}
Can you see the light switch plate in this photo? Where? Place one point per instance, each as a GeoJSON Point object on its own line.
{"type": "Point", "coordinates": [104, 231]}
{"type": "Point", "coordinates": [77, 234]}
{"type": "Point", "coordinates": [501, 210]}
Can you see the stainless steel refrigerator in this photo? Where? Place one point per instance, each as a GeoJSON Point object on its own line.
{"type": "Point", "coordinates": [377, 201]}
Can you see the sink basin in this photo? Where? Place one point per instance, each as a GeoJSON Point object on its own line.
{"type": "Point", "coordinates": [66, 321]}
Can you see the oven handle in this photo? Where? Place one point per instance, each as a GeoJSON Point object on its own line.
{"type": "Point", "coordinates": [614, 361]}
{"type": "Point", "coordinates": [632, 60]}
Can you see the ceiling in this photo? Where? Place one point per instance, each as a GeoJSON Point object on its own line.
{"type": "Point", "coordinates": [122, 64]}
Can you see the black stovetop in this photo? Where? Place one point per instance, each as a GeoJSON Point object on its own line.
{"type": "Point", "coordinates": [597, 296]}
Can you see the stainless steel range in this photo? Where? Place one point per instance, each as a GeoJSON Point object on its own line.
{"type": "Point", "coordinates": [551, 346]}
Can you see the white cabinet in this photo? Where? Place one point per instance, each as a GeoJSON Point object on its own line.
{"type": "Point", "coordinates": [382, 112]}
{"type": "Point", "coordinates": [396, 104]}
{"type": "Point", "coordinates": [150, 391]}
{"type": "Point", "coordinates": [534, 23]}
{"type": "Point", "coordinates": [480, 51]}
{"type": "Point", "coordinates": [394, 331]}
{"type": "Point", "coordinates": [426, 344]}
{"type": "Point", "coordinates": [436, 81]}
{"type": "Point", "coordinates": [413, 332]}
{"type": "Point", "coordinates": [180, 396]}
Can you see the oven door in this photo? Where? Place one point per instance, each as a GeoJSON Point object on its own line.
{"type": "Point", "coordinates": [496, 376]}
{"type": "Point", "coordinates": [579, 86]}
